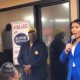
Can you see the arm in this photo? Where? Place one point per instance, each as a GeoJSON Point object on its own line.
{"type": "Point", "coordinates": [63, 57]}
{"type": "Point", "coordinates": [20, 57]}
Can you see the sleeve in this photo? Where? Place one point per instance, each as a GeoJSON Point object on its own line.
{"type": "Point", "coordinates": [20, 57]}
{"type": "Point", "coordinates": [63, 57]}
{"type": "Point", "coordinates": [42, 59]}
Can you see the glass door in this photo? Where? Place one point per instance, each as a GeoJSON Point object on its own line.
{"type": "Point", "coordinates": [55, 33]}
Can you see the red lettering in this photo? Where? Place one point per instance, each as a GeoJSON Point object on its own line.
{"type": "Point", "coordinates": [20, 26]}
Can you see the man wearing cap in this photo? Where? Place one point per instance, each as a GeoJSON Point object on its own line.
{"type": "Point", "coordinates": [33, 58]}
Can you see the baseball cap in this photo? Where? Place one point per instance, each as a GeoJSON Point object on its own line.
{"type": "Point", "coordinates": [32, 29]}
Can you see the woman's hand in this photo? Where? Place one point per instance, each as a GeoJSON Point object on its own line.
{"type": "Point", "coordinates": [68, 48]}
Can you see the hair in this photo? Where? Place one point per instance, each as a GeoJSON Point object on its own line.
{"type": "Point", "coordinates": [76, 21]}
{"type": "Point", "coordinates": [7, 71]}
{"type": "Point", "coordinates": [8, 27]}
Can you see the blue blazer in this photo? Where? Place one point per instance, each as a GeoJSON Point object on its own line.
{"type": "Point", "coordinates": [70, 58]}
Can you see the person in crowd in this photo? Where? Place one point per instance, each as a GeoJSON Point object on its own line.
{"type": "Point", "coordinates": [58, 70]}
{"type": "Point", "coordinates": [9, 72]}
{"type": "Point", "coordinates": [33, 58]}
{"type": "Point", "coordinates": [71, 53]}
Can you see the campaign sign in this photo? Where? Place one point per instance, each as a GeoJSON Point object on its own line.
{"type": "Point", "coordinates": [19, 36]}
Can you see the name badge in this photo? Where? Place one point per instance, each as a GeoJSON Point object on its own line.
{"type": "Point", "coordinates": [36, 52]}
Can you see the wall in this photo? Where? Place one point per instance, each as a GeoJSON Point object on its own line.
{"type": "Point", "coordinates": [10, 3]}
{"type": "Point", "coordinates": [74, 9]}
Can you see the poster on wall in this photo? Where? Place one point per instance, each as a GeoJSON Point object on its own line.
{"type": "Point", "coordinates": [19, 36]}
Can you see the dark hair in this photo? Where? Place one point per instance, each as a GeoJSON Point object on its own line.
{"type": "Point", "coordinates": [8, 68]}
{"type": "Point", "coordinates": [8, 27]}
{"type": "Point", "coordinates": [76, 21]}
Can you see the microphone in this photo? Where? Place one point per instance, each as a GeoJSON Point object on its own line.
{"type": "Point", "coordinates": [72, 39]}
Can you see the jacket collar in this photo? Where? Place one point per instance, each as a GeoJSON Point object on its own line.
{"type": "Point", "coordinates": [77, 49]}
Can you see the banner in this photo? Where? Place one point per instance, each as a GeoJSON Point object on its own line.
{"type": "Point", "coordinates": [19, 35]}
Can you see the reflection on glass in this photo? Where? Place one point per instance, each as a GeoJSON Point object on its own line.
{"type": "Point", "coordinates": [55, 19]}
{"type": "Point", "coordinates": [14, 15]}
{"type": "Point", "coordinates": [19, 14]}
{"type": "Point", "coordinates": [30, 18]}
{"type": "Point", "coordinates": [66, 5]}
{"type": "Point", "coordinates": [55, 33]}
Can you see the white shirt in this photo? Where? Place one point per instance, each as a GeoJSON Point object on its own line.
{"type": "Point", "coordinates": [73, 49]}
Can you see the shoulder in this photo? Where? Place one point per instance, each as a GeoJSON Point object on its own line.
{"type": "Point", "coordinates": [42, 44]}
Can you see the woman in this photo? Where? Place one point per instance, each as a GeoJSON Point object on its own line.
{"type": "Point", "coordinates": [72, 52]}
{"type": "Point", "coordinates": [8, 72]}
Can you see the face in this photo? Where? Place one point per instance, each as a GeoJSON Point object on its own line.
{"type": "Point", "coordinates": [75, 29]}
{"type": "Point", "coordinates": [16, 76]}
{"type": "Point", "coordinates": [32, 36]}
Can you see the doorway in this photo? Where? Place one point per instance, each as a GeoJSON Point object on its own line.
{"type": "Point", "coordinates": [55, 33]}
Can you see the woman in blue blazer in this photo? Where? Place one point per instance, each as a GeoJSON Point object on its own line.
{"type": "Point", "coordinates": [71, 53]}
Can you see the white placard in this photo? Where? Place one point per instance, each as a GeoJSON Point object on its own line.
{"type": "Point", "coordinates": [19, 35]}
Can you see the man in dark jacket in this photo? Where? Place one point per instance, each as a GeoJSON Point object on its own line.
{"type": "Point", "coordinates": [33, 58]}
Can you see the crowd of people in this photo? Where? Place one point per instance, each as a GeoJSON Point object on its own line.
{"type": "Point", "coordinates": [33, 56]}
